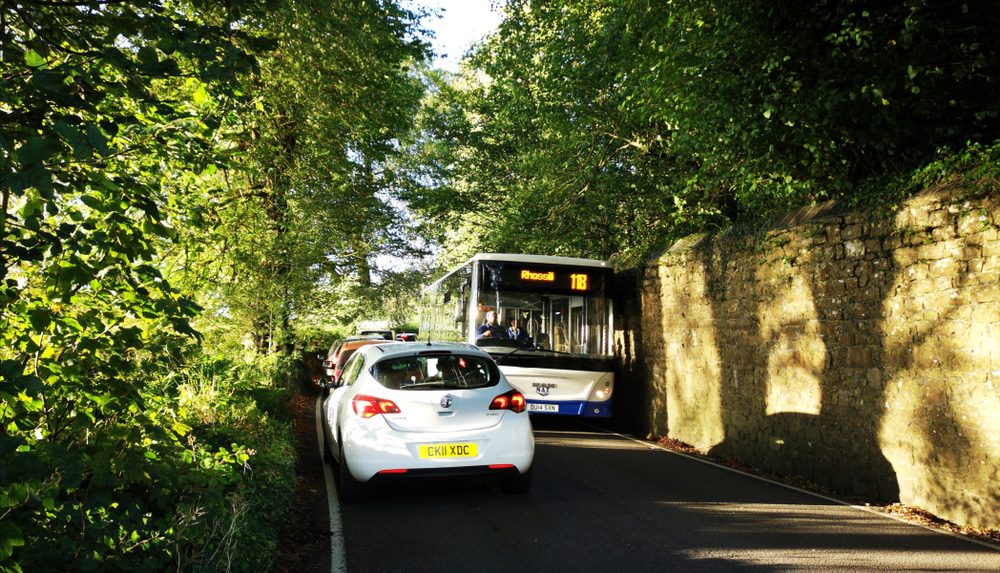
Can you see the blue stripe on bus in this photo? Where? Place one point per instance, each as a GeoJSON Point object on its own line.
{"type": "Point", "coordinates": [577, 408]}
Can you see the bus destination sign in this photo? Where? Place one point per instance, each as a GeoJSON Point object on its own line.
{"type": "Point", "coordinates": [552, 279]}
{"type": "Point", "coordinates": [578, 281]}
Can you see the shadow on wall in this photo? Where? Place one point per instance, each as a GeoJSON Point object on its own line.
{"type": "Point", "coordinates": [851, 350]}
{"type": "Point", "coordinates": [633, 392]}
{"type": "Point", "coordinates": [795, 399]}
{"type": "Point", "coordinates": [941, 427]}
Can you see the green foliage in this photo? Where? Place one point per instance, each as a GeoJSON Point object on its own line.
{"type": "Point", "coordinates": [164, 168]}
{"type": "Point", "coordinates": [300, 206]}
{"type": "Point", "coordinates": [975, 168]}
{"type": "Point", "coordinates": [191, 474]}
{"type": "Point", "coordinates": [95, 466]}
{"type": "Point", "coordinates": [237, 409]}
{"type": "Point", "coordinates": [602, 127]}
{"type": "Point", "coordinates": [800, 102]}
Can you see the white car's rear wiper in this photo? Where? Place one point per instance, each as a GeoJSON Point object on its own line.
{"type": "Point", "coordinates": [423, 384]}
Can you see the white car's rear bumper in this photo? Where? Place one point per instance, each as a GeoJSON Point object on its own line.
{"type": "Point", "coordinates": [373, 449]}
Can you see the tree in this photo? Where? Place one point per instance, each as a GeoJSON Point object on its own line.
{"type": "Point", "coordinates": [96, 97]}
{"type": "Point", "coordinates": [154, 154]}
{"type": "Point", "coordinates": [604, 127]}
{"type": "Point", "coordinates": [305, 191]}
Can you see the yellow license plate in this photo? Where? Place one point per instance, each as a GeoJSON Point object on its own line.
{"type": "Point", "coordinates": [464, 450]}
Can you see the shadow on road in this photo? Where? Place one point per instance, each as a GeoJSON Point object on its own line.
{"type": "Point", "coordinates": [602, 503]}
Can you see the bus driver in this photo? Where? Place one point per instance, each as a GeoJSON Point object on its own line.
{"type": "Point", "coordinates": [491, 327]}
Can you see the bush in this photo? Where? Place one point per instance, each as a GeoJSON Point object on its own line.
{"type": "Point", "coordinates": [250, 415]}
{"type": "Point", "coordinates": [194, 473]}
{"type": "Point", "coordinates": [974, 167]}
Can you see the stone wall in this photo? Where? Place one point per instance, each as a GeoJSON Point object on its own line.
{"type": "Point", "coordinates": [858, 350]}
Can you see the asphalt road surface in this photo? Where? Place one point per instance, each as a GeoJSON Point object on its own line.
{"type": "Point", "coordinates": [603, 502]}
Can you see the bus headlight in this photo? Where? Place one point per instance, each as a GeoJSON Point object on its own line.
{"type": "Point", "coordinates": [603, 393]}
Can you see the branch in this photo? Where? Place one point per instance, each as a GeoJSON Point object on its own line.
{"type": "Point", "coordinates": [3, 215]}
{"type": "Point", "coordinates": [31, 23]}
{"type": "Point", "coordinates": [643, 147]}
{"type": "Point", "coordinates": [76, 4]}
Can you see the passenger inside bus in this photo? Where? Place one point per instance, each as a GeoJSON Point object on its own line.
{"type": "Point", "coordinates": [542, 341]}
{"type": "Point", "coordinates": [516, 333]}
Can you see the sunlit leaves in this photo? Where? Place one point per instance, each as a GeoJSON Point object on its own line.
{"type": "Point", "coordinates": [607, 126]}
{"type": "Point", "coordinates": [303, 197]}
{"type": "Point", "coordinates": [89, 120]}
{"type": "Point", "coordinates": [150, 150]}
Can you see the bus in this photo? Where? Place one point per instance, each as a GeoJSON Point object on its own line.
{"type": "Point", "coordinates": [563, 362]}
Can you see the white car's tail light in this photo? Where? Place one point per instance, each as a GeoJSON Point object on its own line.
{"type": "Point", "coordinates": [369, 406]}
{"type": "Point", "coordinates": [513, 401]}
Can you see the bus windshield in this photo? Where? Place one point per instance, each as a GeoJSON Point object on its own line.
{"type": "Point", "coordinates": [544, 308]}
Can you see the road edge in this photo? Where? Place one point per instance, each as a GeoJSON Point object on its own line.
{"type": "Point", "coordinates": [710, 462]}
{"type": "Point", "coordinates": [338, 561]}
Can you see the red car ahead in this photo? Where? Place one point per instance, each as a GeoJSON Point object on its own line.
{"type": "Point", "coordinates": [341, 350]}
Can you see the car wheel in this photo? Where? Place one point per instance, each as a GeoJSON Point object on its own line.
{"type": "Point", "coordinates": [327, 453]}
{"type": "Point", "coordinates": [350, 489]}
{"type": "Point", "coordinates": [517, 483]}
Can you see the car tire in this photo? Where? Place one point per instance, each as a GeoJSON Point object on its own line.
{"type": "Point", "coordinates": [349, 489]}
{"type": "Point", "coordinates": [327, 454]}
{"type": "Point", "coordinates": [518, 483]}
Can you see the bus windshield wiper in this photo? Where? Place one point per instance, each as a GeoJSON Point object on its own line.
{"type": "Point", "coordinates": [534, 348]}
{"type": "Point", "coordinates": [554, 351]}
{"type": "Point", "coordinates": [518, 349]}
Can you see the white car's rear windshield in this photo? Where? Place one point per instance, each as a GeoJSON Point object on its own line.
{"type": "Point", "coordinates": [436, 372]}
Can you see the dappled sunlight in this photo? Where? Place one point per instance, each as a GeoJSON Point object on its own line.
{"type": "Point", "coordinates": [599, 441]}
{"type": "Point", "coordinates": [693, 375]}
{"type": "Point", "coordinates": [813, 536]}
{"type": "Point", "coordinates": [847, 559]}
{"type": "Point", "coordinates": [793, 519]}
{"type": "Point", "coordinates": [941, 429]}
{"type": "Point", "coordinates": [790, 329]}
{"type": "Point", "coordinates": [198, 400]}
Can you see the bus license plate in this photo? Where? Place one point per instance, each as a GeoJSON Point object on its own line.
{"type": "Point", "coordinates": [543, 407]}
{"type": "Point", "coordinates": [437, 451]}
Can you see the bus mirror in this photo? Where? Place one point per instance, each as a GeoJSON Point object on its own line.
{"type": "Point", "coordinates": [459, 310]}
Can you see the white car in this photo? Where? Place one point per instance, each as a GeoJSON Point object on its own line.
{"type": "Point", "coordinates": [410, 409]}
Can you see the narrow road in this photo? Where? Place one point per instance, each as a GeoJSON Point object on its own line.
{"type": "Point", "coordinates": [603, 502]}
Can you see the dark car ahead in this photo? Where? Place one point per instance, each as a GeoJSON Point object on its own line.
{"type": "Point", "coordinates": [341, 351]}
